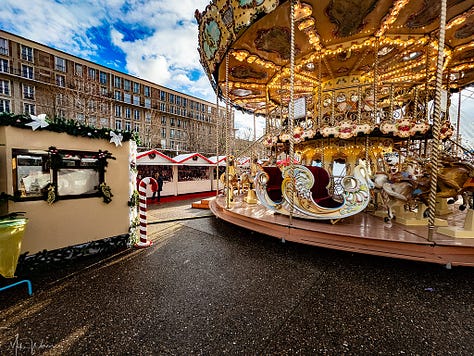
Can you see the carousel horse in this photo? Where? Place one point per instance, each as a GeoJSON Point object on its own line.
{"type": "Point", "coordinates": [455, 179]}
{"type": "Point", "coordinates": [403, 187]}
{"type": "Point", "coordinates": [234, 183]}
{"type": "Point", "coordinates": [412, 186]}
{"type": "Point", "coordinates": [245, 181]}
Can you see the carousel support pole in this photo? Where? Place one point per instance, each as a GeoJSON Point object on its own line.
{"type": "Point", "coordinates": [217, 141]}
{"type": "Point", "coordinates": [458, 123]}
{"type": "Point", "coordinates": [291, 113]}
{"type": "Point", "coordinates": [229, 194]}
{"type": "Point", "coordinates": [435, 150]}
{"type": "Point", "coordinates": [144, 242]}
{"type": "Point", "coordinates": [376, 79]}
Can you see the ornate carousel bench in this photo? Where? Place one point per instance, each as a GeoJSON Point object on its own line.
{"type": "Point", "coordinates": [319, 191]}
{"type": "Point", "coordinates": [312, 199]}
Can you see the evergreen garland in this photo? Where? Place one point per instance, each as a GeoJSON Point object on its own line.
{"type": "Point", "coordinates": [68, 126]}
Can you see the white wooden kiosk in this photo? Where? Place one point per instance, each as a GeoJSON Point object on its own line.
{"type": "Point", "coordinates": [79, 215]}
{"type": "Point", "coordinates": [195, 173]}
{"type": "Point", "coordinates": [152, 161]}
{"type": "Point", "coordinates": [221, 161]}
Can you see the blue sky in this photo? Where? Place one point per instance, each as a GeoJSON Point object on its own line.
{"type": "Point", "coordinates": [155, 40]}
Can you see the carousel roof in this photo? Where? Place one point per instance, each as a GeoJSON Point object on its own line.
{"type": "Point", "coordinates": [338, 44]}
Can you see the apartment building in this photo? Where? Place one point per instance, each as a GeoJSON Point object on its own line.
{"type": "Point", "coordinates": [36, 79]}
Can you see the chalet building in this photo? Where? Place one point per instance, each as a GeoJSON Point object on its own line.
{"type": "Point", "coordinates": [37, 79]}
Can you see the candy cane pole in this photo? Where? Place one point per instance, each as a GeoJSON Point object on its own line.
{"type": "Point", "coordinates": [142, 194]}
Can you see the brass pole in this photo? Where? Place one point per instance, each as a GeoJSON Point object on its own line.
{"type": "Point", "coordinates": [291, 113]}
{"type": "Point", "coordinates": [226, 128]}
{"type": "Point", "coordinates": [436, 125]}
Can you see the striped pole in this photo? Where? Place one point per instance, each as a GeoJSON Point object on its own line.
{"type": "Point", "coordinates": [142, 210]}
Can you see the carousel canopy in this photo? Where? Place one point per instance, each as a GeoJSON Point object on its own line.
{"type": "Point", "coordinates": [340, 46]}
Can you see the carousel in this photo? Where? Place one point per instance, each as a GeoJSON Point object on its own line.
{"type": "Point", "coordinates": [356, 97]}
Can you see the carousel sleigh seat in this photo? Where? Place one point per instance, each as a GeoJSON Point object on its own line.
{"type": "Point", "coordinates": [275, 179]}
{"type": "Point", "coordinates": [319, 190]}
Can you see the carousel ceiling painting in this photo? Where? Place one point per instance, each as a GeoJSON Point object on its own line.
{"type": "Point", "coordinates": [350, 56]}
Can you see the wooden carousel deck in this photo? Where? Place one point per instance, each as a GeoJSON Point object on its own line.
{"type": "Point", "coordinates": [362, 233]}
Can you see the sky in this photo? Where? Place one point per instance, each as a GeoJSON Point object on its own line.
{"type": "Point", "coordinates": [151, 39]}
{"type": "Point", "coordinates": [154, 40]}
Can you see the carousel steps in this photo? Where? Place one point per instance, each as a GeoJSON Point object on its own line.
{"type": "Point", "coordinates": [202, 204]}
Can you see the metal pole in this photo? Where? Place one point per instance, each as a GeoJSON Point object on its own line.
{"type": "Point", "coordinates": [217, 141]}
{"type": "Point", "coordinates": [291, 113]}
{"type": "Point", "coordinates": [226, 128]}
{"type": "Point", "coordinates": [458, 123]}
{"type": "Point", "coordinates": [436, 125]}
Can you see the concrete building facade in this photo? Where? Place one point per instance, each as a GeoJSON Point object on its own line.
{"type": "Point", "coordinates": [37, 79]}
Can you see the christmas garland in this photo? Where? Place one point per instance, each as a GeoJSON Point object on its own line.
{"type": "Point", "coordinates": [71, 127]}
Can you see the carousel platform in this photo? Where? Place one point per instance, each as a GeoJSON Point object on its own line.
{"type": "Point", "coordinates": [362, 233]}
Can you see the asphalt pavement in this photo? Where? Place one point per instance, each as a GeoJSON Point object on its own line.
{"type": "Point", "coordinates": [206, 287]}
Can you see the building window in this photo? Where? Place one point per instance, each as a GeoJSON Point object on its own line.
{"type": "Point", "coordinates": [171, 121]}
{"type": "Point", "coordinates": [162, 107]}
{"type": "Point", "coordinates": [128, 113]}
{"type": "Point", "coordinates": [162, 95]}
{"type": "Point", "coordinates": [118, 111]}
{"type": "Point", "coordinates": [171, 98]}
{"type": "Point", "coordinates": [127, 98]}
{"type": "Point", "coordinates": [147, 91]}
{"type": "Point", "coordinates": [148, 117]}
{"type": "Point", "coordinates": [3, 66]}
{"type": "Point", "coordinates": [136, 87]}
{"type": "Point", "coordinates": [128, 126]}
{"type": "Point", "coordinates": [28, 92]}
{"type": "Point", "coordinates": [103, 78]}
{"type": "Point", "coordinates": [118, 95]}
{"type": "Point", "coordinates": [104, 122]}
{"type": "Point", "coordinates": [92, 121]}
{"type": "Point", "coordinates": [136, 127]}
{"type": "Point", "coordinates": [27, 53]}
{"type": "Point", "coordinates": [60, 80]}
{"type": "Point", "coordinates": [5, 87]}
{"type": "Point", "coordinates": [117, 82]}
{"type": "Point", "coordinates": [80, 118]}
{"type": "Point", "coordinates": [60, 100]}
{"type": "Point", "coordinates": [136, 100]}
{"type": "Point", "coordinates": [60, 64]}
{"type": "Point", "coordinates": [171, 133]}
{"type": "Point", "coordinates": [74, 173]}
{"type": "Point", "coordinates": [126, 84]}
{"type": "Point", "coordinates": [163, 132]}
{"type": "Point", "coordinates": [104, 108]}
{"type": "Point", "coordinates": [77, 69]}
{"type": "Point", "coordinates": [4, 105]}
{"type": "Point", "coordinates": [118, 124]}
{"type": "Point", "coordinates": [148, 103]}
{"type": "Point", "coordinates": [136, 114]}
{"type": "Point", "coordinates": [29, 109]}
{"type": "Point", "coordinates": [163, 120]}
{"type": "Point", "coordinates": [92, 73]}
{"type": "Point", "coordinates": [4, 46]}
{"type": "Point", "coordinates": [27, 71]}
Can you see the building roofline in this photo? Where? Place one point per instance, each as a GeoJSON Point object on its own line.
{"type": "Point", "coordinates": [102, 66]}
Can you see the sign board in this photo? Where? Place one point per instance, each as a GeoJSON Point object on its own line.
{"type": "Point", "coordinates": [300, 108]}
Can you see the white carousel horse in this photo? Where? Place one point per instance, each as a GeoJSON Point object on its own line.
{"type": "Point", "coordinates": [304, 203]}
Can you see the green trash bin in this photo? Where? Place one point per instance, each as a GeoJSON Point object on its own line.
{"type": "Point", "coordinates": [11, 234]}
